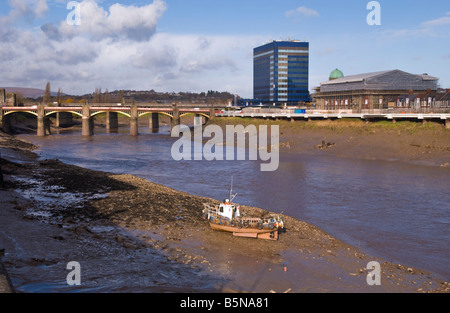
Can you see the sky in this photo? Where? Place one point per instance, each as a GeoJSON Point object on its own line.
{"type": "Point", "coordinates": [201, 45]}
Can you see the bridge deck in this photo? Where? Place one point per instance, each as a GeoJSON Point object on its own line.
{"type": "Point", "coordinates": [364, 116]}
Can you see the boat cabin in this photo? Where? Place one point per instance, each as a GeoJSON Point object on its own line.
{"type": "Point", "coordinates": [228, 210]}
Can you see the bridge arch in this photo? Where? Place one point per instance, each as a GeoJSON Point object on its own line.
{"type": "Point", "coordinates": [163, 113]}
{"type": "Point", "coordinates": [194, 113]}
{"type": "Point", "coordinates": [118, 112]}
{"type": "Point", "coordinates": [62, 111]}
{"type": "Point", "coordinates": [29, 112]}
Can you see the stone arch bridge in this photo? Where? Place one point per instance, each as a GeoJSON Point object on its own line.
{"type": "Point", "coordinates": [88, 112]}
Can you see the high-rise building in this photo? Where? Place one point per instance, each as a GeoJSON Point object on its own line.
{"type": "Point", "coordinates": [280, 72]}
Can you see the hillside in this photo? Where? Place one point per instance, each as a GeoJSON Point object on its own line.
{"type": "Point", "coordinates": [29, 92]}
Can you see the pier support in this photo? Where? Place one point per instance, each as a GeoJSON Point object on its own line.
{"type": "Point", "coordinates": [176, 117]}
{"type": "Point", "coordinates": [5, 123]}
{"type": "Point", "coordinates": [447, 123]}
{"type": "Point", "coordinates": [1, 116]}
{"type": "Point", "coordinates": [198, 121]}
{"type": "Point", "coordinates": [134, 121]}
{"type": "Point", "coordinates": [112, 122]}
{"type": "Point", "coordinates": [41, 125]}
{"type": "Point", "coordinates": [154, 122]}
{"type": "Point", "coordinates": [87, 123]}
{"type": "Point", "coordinates": [2, 95]}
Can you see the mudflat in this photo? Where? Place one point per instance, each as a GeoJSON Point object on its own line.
{"type": "Point", "coordinates": [132, 235]}
{"type": "Point", "coordinates": [405, 141]}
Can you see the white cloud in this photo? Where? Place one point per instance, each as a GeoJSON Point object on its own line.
{"type": "Point", "coordinates": [166, 62]}
{"type": "Point", "coordinates": [24, 9]}
{"type": "Point", "coordinates": [431, 28]}
{"type": "Point", "coordinates": [40, 8]}
{"type": "Point", "coordinates": [118, 48]}
{"type": "Point", "coordinates": [445, 20]}
{"type": "Point", "coordinates": [304, 11]}
{"type": "Point", "coordinates": [119, 22]}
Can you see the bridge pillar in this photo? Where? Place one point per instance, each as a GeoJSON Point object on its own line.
{"type": "Point", "coordinates": [212, 113]}
{"type": "Point", "coordinates": [134, 121]}
{"type": "Point", "coordinates": [198, 120]}
{"type": "Point", "coordinates": [6, 123]}
{"type": "Point", "coordinates": [2, 95]}
{"type": "Point", "coordinates": [447, 123]}
{"type": "Point", "coordinates": [176, 117]}
{"type": "Point", "coordinates": [41, 123]}
{"type": "Point", "coordinates": [154, 122]}
{"type": "Point", "coordinates": [112, 122]}
{"type": "Point", "coordinates": [2, 115]}
{"type": "Point", "coordinates": [87, 123]}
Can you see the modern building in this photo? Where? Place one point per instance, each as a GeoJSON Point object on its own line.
{"type": "Point", "coordinates": [378, 90]}
{"type": "Point", "coordinates": [281, 73]}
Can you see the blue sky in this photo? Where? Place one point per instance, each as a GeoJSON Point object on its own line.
{"type": "Point", "coordinates": [199, 45]}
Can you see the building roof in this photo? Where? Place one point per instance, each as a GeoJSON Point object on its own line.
{"type": "Point", "coordinates": [277, 44]}
{"type": "Point", "coordinates": [353, 78]}
{"type": "Point", "coordinates": [383, 80]}
{"type": "Point", "coordinates": [365, 76]}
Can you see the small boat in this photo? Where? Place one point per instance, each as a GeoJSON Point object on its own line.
{"type": "Point", "coordinates": [226, 217]}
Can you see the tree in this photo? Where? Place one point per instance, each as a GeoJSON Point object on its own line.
{"type": "Point", "coordinates": [47, 95]}
{"type": "Point", "coordinates": [59, 96]}
{"type": "Point", "coordinates": [121, 97]}
{"type": "Point", "coordinates": [97, 95]}
{"type": "Point", "coordinates": [106, 97]}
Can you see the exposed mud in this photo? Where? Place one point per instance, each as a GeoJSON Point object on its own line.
{"type": "Point", "coordinates": [405, 141]}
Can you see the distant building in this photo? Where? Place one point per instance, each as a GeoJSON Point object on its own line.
{"type": "Point", "coordinates": [378, 90]}
{"type": "Point", "coordinates": [281, 73]}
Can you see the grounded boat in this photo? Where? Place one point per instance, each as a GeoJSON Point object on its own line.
{"type": "Point", "coordinates": [226, 217]}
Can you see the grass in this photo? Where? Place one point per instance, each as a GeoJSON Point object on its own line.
{"type": "Point", "coordinates": [338, 125]}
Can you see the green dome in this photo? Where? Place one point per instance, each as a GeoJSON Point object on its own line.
{"type": "Point", "coordinates": [336, 74]}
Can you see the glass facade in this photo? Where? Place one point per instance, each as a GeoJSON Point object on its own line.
{"type": "Point", "coordinates": [280, 72]}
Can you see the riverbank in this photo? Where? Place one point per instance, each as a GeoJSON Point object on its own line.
{"type": "Point", "coordinates": [133, 235]}
{"type": "Point", "coordinates": [404, 141]}
{"type": "Point", "coordinates": [5, 282]}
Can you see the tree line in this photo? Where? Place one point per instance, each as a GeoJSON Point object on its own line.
{"type": "Point", "coordinates": [131, 96]}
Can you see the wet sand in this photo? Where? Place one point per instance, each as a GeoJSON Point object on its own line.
{"type": "Point", "coordinates": [132, 235]}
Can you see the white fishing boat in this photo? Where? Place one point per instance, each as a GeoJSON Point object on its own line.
{"type": "Point", "coordinates": [227, 217]}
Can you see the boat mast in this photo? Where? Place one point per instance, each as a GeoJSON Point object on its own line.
{"type": "Point", "coordinates": [231, 190]}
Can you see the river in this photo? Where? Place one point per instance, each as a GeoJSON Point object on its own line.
{"type": "Point", "coordinates": [392, 210]}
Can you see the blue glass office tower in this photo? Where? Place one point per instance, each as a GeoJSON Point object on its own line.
{"type": "Point", "coordinates": [280, 72]}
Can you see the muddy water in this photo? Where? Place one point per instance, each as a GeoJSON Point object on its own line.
{"type": "Point", "coordinates": [392, 210]}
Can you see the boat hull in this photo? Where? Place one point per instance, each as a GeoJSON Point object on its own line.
{"type": "Point", "coordinates": [247, 232]}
